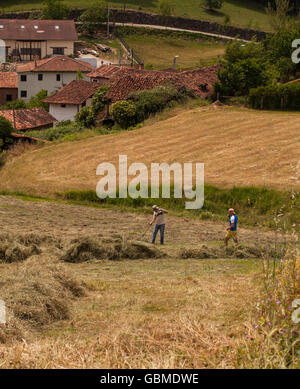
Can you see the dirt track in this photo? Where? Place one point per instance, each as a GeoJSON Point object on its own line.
{"type": "Point", "coordinates": [69, 221]}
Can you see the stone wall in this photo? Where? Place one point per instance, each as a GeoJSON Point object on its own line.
{"type": "Point", "coordinates": [138, 17]}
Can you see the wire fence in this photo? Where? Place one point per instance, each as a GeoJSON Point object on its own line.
{"type": "Point", "coordinates": [134, 57]}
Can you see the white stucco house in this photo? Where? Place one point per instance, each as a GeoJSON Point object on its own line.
{"type": "Point", "coordinates": [50, 74]}
{"type": "Point", "coordinates": [69, 100]}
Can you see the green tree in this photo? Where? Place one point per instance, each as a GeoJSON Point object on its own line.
{"type": "Point", "coordinates": [6, 129]}
{"type": "Point", "coordinates": [124, 112]}
{"type": "Point", "coordinates": [278, 13]}
{"type": "Point", "coordinates": [245, 66]}
{"type": "Point", "coordinates": [279, 51]}
{"type": "Point", "coordinates": [37, 100]}
{"type": "Point", "coordinates": [54, 9]}
{"type": "Point", "coordinates": [96, 14]}
{"type": "Point", "coordinates": [213, 4]}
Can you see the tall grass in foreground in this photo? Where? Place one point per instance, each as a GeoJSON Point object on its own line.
{"type": "Point", "coordinates": [273, 341]}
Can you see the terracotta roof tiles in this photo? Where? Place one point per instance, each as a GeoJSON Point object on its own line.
{"type": "Point", "coordinates": [200, 81]}
{"type": "Point", "coordinates": [8, 80]}
{"type": "Point", "coordinates": [76, 92]}
{"type": "Point", "coordinates": [28, 118]}
{"type": "Point", "coordinates": [55, 64]}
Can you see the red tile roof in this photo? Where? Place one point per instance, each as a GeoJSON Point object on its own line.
{"type": "Point", "coordinates": [38, 29]}
{"type": "Point", "coordinates": [8, 80]}
{"type": "Point", "coordinates": [76, 92]}
{"type": "Point", "coordinates": [26, 137]}
{"type": "Point", "coordinates": [200, 81]}
{"type": "Point", "coordinates": [110, 71]}
{"type": "Point", "coordinates": [127, 84]}
{"type": "Point", "coordinates": [58, 63]}
{"type": "Point", "coordinates": [28, 118]}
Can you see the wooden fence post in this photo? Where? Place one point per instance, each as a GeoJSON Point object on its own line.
{"type": "Point", "coordinates": [262, 102]}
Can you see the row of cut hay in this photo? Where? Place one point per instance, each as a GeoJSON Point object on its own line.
{"type": "Point", "coordinates": [238, 251]}
{"type": "Point", "coordinates": [19, 247]}
{"type": "Point", "coordinates": [87, 248]}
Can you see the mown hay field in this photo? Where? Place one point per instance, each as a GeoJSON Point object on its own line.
{"type": "Point", "coordinates": [238, 147]}
{"type": "Point", "coordinates": [71, 306]}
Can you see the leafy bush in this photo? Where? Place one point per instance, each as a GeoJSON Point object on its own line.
{"type": "Point", "coordinates": [165, 7]}
{"type": "Point", "coordinates": [99, 100]}
{"type": "Point", "coordinates": [37, 100]}
{"type": "Point", "coordinates": [276, 97]}
{"type": "Point", "coordinates": [85, 117]}
{"type": "Point", "coordinates": [5, 132]}
{"type": "Point", "coordinates": [17, 104]}
{"type": "Point", "coordinates": [62, 130]}
{"type": "Point", "coordinates": [55, 10]}
{"type": "Point", "coordinates": [213, 4]}
{"type": "Point", "coordinates": [146, 103]}
{"type": "Point", "coordinates": [124, 113]}
{"type": "Point", "coordinates": [151, 101]}
{"type": "Point", "coordinates": [93, 16]}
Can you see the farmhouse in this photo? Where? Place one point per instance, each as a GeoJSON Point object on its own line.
{"type": "Point", "coordinates": [69, 100]}
{"type": "Point", "coordinates": [125, 80]}
{"type": "Point", "coordinates": [8, 87]}
{"type": "Point", "coordinates": [27, 39]}
{"type": "Point", "coordinates": [26, 119]}
{"type": "Point", "coordinates": [50, 74]}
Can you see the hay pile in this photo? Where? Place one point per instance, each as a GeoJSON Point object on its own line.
{"type": "Point", "coordinates": [36, 292]}
{"type": "Point", "coordinates": [86, 248]}
{"type": "Point", "coordinates": [17, 248]}
{"type": "Point", "coordinates": [12, 251]}
{"type": "Point", "coordinates": [239, 251]}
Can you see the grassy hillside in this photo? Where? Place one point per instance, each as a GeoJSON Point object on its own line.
{"type": "Point", "coordinates": [238, 147]}
{"type": "Point", "coordinates": [244, 14]}
{"type": "Point", "coordinates": [158, 48]}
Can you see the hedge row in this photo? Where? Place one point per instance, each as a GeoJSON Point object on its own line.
{"type": "Point", "coordinates": [285, 96]}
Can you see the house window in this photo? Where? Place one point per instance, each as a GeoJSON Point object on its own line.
{"type": "Point", "coordinates": [40, 77]}
{"type": "Point", "coordinates": [23, 93]}
{"type": "Point", "coordinates": [58, 77]}
{"type": "Point", "coordinates": [23, 77]}
{"type": "Point", "coordinates": [58, 51]}
{"type": "Point", "coordinates": [63, 105]}
{"type": "Point", "coordinates": [31, 51]}
{"type": "Point", "coordinates": [83, 104]}
{"type": "Point", "coordinates": [8, 97]}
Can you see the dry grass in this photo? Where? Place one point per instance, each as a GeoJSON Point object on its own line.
{"type": "Point", "coordinates": [86, 248]}
{"type": "Point", "coordinates": [165, 313]}
{"type": "Point", "coordinates": [36, 292]}
{"type": "Point", "coordinates": [241, 144]}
